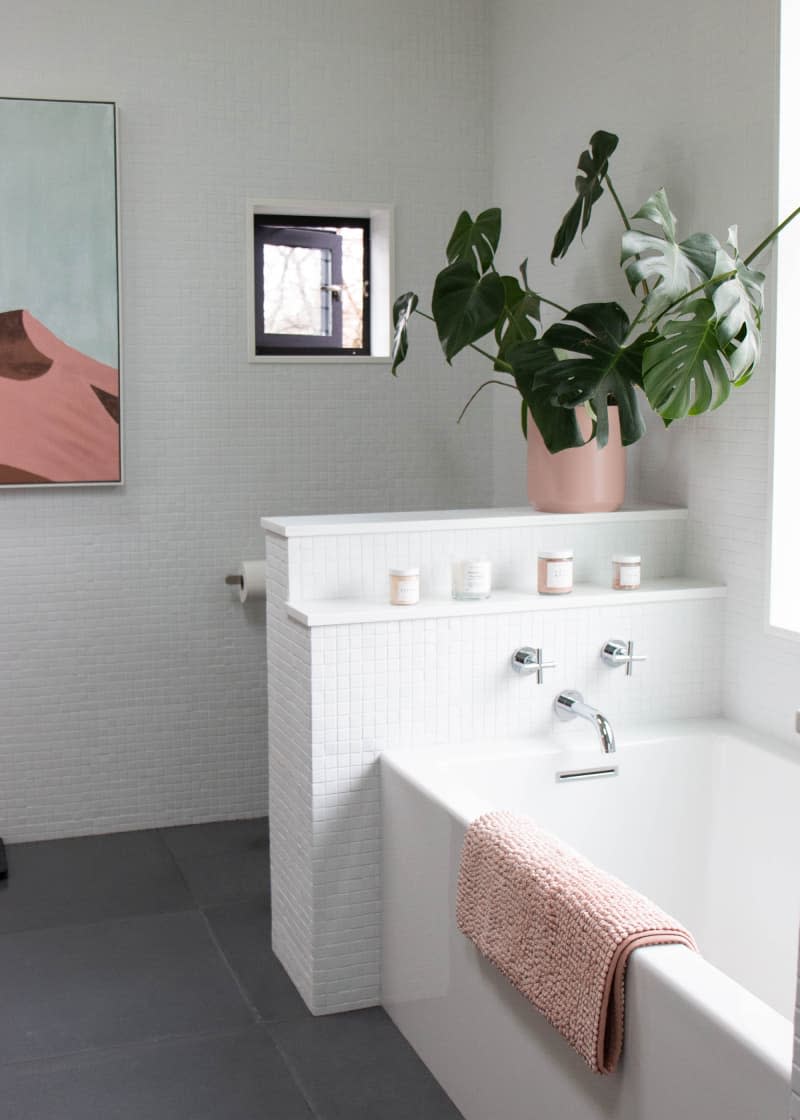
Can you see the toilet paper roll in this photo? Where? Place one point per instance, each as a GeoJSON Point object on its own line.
{"type": "Point", "coordinates": [253, 574]}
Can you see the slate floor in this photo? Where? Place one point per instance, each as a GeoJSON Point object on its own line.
{"type": "Point", "coordinates": [137, 983]}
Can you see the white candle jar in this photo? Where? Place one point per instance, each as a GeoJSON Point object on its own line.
{"type": "Point", "coordinates": [472, 579]}
{"type": "Point", "coordinates": [626, 571]}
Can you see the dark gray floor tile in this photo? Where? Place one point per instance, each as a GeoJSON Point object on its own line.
{"type": "Point", "coordinates": [222, 861]}
{"type": "Point", "coordinates": [232, 1078]}
{"type": "Point", "coordinates": [88, 879]}
{"type": "Point", "coordinates": [111, 983]}
{"type": "Point", "coordinates": [243, 934]}
{"type": "Point", "coordinates": [358, 1066]}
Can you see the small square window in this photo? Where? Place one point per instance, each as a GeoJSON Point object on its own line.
{"type": "Point", "coordinates": [311, 285]}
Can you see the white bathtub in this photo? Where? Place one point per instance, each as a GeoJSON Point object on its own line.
{"type": "Point", "coordinates": [699, 818]}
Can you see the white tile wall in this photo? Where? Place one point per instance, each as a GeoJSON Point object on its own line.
{"type": "Point", "coordinates": [131, 680]}
{"type": "Point", "coordinates": [291, 792]}
{"type": "Point", "coordinates": [429, 682]}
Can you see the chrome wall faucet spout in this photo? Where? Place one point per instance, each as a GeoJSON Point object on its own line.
{"type": "Point", "coordinates": [569, 704]}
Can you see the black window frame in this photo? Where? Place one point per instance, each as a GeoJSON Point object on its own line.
{"type": "Point", "coordinates": [294, 226]}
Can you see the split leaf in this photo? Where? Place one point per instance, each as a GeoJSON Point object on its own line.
{"type": "Point", "coordinates": [593, 162]}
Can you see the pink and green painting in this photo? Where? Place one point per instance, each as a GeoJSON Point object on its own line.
{"type": "Point", "coordinates": [59, 304]}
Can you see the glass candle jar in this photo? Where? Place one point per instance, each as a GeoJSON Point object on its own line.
{"type": "Point", "coordinates": [403, 586]}
{"type": "Point", "coordinates": [472, 579]}
{"type": "Point", "coordinates": [626, 571]}
{"type": "Point", "coordinates": [554, 572]}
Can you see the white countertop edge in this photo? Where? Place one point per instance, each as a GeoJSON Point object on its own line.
{"type": "Point", "coordinates": [415, 521]}
{"type": "Point", "coordinates": [343, 612]}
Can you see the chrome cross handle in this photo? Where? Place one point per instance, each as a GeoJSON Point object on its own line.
{"type": "Point", "coordinates": [527, 660]}
{"type": "Point", "coordinates": [615, 653]}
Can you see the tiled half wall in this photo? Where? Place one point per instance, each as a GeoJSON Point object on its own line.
{"type": "Point", "coordinates": [340, 694]}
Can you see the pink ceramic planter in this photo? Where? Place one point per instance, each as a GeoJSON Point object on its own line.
{"type": "Point", "coordinates": [586, 479]}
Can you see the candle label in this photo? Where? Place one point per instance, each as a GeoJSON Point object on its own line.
{"type": "Point", "coordinates": [406, 591]}
{"type": "Point", "coordinates": [476, 579]}
{"type": "Point", "coordinates": [559, 574]}
{"type": "Point", "coordinates": [629, 575]}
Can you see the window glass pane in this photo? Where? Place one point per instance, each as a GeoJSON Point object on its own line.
{"type": "Point", "coordinates": [311, 285]}
{"type": "Point", "coordinates": [295, 301]}
{"type": "Point", "coordinates": [353, 281]}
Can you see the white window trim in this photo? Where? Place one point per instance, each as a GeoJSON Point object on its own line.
{"type": "Point", "coordinates": [381, 217]}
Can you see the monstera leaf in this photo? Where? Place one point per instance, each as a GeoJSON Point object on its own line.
{"type": "Point", "coordinates": [476, 240]}
{"type": "Point", "coordinates": [521, 319]}
{"type": "Point", "coordinates": [597, 366]}
{"type": "Point", "coordinates": [465, 305]}
{"type": "Point", "coordinates": [404, 308]}
{"type": "Point", "coordinates": [594, 164]}
{"type": "Point", "coordinates": [668, 268]}
{"type": "Point", "coordinates": [685, 371]}
{"type": "Point", "coordinates": [533, 363]}
{"type": "Point", "coordinates": [738, 302]}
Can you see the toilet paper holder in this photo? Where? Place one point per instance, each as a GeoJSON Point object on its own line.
{"type": "Point", "coordinates": [250, 581]}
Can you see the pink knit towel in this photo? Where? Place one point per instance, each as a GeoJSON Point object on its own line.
{"type": "Point", "coordinates": [560, 929]}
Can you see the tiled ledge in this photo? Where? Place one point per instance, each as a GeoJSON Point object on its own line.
{"type": "Point", "coordinates": [344, 524]}
{"type": "Point", "coordinates": [343, 612]}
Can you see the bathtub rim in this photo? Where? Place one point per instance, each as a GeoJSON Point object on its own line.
{"type": "Point", "coordinates": [414, 761]}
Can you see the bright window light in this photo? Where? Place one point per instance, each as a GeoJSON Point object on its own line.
{"type": "Point", "coordinates": [784, 607]}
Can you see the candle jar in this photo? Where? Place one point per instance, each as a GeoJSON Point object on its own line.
{"type": "Point", "coordinates": [472, 579]}
{"type": "Point", "coordinates": [626, 571]}
{"type": "Point", "coordinates": [403, 586]}
{"type": "Point", "coordinates": [554, 572]}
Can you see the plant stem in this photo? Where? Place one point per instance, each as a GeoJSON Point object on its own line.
{"type": "Point", "coordinates": [693, 291]}
{"type": "Point", "coordinates": [491, 381]}
{"type": "Point", "coordinates": [624, 216]}
{"type": "Point", "coordinates": [615, 196]}
{"type": "Point", "coordinates": [771, 236]}
{"type": "Point", "coordinates": [635, 322]}
{"type": "Point", "coordinates": [551, 303]}
{"type": "Point", "coordinates": [492, 357]}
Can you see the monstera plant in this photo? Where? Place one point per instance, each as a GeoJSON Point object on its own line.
{"type": "Point", "coordinates": [695, 334]}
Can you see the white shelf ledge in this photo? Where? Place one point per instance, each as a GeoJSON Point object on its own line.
{"type": "Point", "coordinates": [344, 612]}
{"type": "Point", "coordinates": [427, 521]}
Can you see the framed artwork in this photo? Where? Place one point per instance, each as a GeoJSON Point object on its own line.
{"type": "Point", "coordinates": [60, 418]}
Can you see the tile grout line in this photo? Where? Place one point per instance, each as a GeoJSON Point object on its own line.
{"type": "Point", "coordinates": [251, 1007]}
{"type": "Point", "coordinates": [133, 915]}
{"type": "Point", "coordinates": [157, 832]}
{"type": "Point", "coordinates": [294, 1076]}
{"type": "Point", "coordinates": [163, 841]}
{"type": "Point", "coordinates": [121, 1047]}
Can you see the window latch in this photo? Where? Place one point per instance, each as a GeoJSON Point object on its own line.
{"type": "Point", "coordinates": [335, 289]}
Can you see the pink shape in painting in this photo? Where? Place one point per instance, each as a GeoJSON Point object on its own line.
{"type": "Point", "coordinates": [59, 409]}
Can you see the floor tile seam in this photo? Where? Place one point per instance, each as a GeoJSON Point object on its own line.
{"type": "Point", "coordinates": [177, 866]}
{"type": "Point", "coordinates": [136, 1045]}
{"type": "Point", "coordinates": [193, 908]}
{"type": "Point", "coordinates": [198, 901]}
{"type": "Point", "coordinates": [295, 1076]}
{"type": "Point", "coordinates": [248, 1002]}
